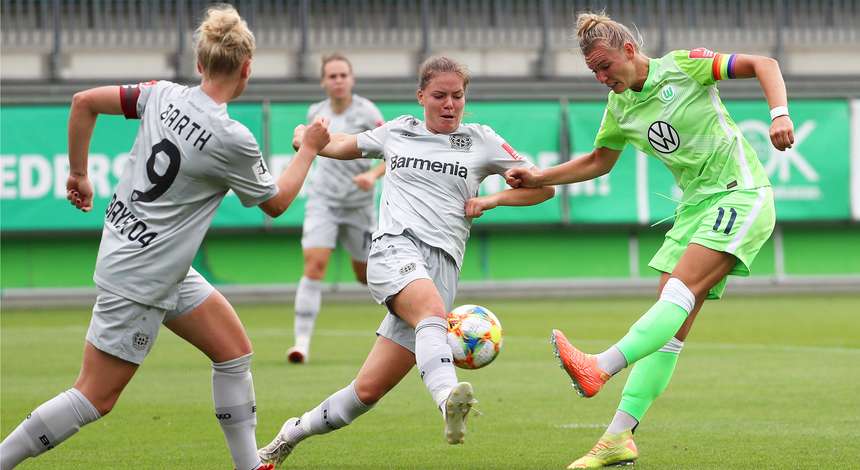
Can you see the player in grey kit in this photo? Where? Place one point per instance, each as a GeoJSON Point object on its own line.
{"type": "Point", "coordinates": [340, 202]}
{"type": "Point", "coordinates": [429, 199]}
{"type": "Point", "coordinates": [187, 154]}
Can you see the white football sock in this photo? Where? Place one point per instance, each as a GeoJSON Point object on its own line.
{"type": "Point", "coordinates": [335, 412]}
{"type": "Point", "coordinates": [434, 358]}
{"type": "Point", "coordinates": [236, 410]}
{"type": "Point", "coordinates": [611, 361]}
{"type": "Point", "coordinates": [307, 308]}
{"type": "Point", "coordinates": [47, 426]}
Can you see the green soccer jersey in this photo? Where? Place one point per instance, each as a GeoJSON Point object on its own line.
{"type": "Point", "coordinates": [678, 117]}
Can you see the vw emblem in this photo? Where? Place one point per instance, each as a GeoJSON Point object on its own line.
{"type": "Point", "coordinates": [663, 137]}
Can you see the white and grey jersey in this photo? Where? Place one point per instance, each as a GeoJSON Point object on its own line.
{"type": "Point", "coordinates": [331, 180]}
{"type": "Point", "coordinates": [188, 153]}
{"type": "Point", "coordinates": [430, 177]}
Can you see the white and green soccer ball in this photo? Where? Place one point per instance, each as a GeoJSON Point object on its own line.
{"type": "Point", "coordinates": [475, 336]}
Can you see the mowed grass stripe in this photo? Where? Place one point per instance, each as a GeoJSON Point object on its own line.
{"type": "Point", "coordinates": [764, 382]}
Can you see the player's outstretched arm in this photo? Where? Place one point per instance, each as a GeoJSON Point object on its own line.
{"type": "Point", "coordinates": [366, 180]}
{"type": "Point", "coordinates": [314, 138]}
{"type": "Point", "coordinates": [341, 146]}
{"type": "Point", "coordinates": [767, 71]}
{"type": "Point", "coordinates": [86, 106]}
{"type": "Point", "coordinates": [597, 163]}
{"type": "Point", "coordinates": [476, 206]}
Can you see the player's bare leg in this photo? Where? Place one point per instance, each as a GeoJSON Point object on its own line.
{"type": "Point", "coordinates": [99, 384]}
{"type": "Point", "coordinates": [215, 329]}
{"type": "Point", "coordinates": [360, 270]}
{"type": "Point", "coordinates": [700, 268]}
{"type": "Point", "coordinates": [385, 366]}
{"type": "Point", "coordinates": [419, 304]}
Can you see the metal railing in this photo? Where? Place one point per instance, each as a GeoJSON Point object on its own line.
{"type": "Point", "coordinates": [300, 26]}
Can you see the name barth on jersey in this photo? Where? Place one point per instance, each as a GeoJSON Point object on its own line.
{"type": "Point", "coordinates": [127, 224]}
{"type": "Point", "coordinates": [428, 165]}
{"type": "Point", "coordinates": [169, 119]}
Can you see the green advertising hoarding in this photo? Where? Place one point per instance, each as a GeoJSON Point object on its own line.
{"type": "Point", "coordinates": [811, 181]}
{"type": "Point", "coordinates": [34, 168]}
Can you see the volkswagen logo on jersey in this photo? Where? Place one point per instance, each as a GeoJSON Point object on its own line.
{"type": "Point", "coordinates": [461, 142]}
{"type": "Point", "coordinates": [663, 137]}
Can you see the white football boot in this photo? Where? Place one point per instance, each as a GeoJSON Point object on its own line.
{"type": "Point", "coordinates": [281, 446]}
{"type": "Point", "coordinates": [457, 407]}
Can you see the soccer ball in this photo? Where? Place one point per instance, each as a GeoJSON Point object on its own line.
{"type": "Point", "coordinates": [475, 336]}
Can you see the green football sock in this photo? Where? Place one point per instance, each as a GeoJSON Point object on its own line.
{"type": "Point", "coordinates": [652, 330]}
{"type": "Point", "coordinates": [648, 379]}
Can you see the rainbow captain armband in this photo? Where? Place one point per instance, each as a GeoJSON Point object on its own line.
{"type": "Point", "coordinates": [723, 66]}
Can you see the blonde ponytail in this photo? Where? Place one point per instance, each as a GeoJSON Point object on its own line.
{"type": "Point", "coordinates": [224, 41]}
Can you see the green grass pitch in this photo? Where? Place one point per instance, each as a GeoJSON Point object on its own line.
{"type": "Point", "coordinates": [763, 382]}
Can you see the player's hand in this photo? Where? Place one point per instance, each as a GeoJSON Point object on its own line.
{"type": "Point", "coordinates": [523, 177]}
{"type": "Point", "coordinates": [364, 181]}
{"type": "Point", "coordinates": [298, 134]}
{"type": "Point", "coordinates": [476, 206]}
{"type": "Point", "coordinates": [782, 133]}
{"type": "Point", "coordinates": [315, 137]}
{"type": "Point", "coordinates": [79, 192]}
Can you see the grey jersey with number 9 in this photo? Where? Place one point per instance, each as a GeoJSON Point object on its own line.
{"type": "Point", "coordinates": [188, 153]}
{"type": "Point", "coordinates": [430, 177]}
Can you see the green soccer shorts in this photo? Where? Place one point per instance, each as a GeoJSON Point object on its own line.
{"type": "Point", "coordinates": [735, 222]}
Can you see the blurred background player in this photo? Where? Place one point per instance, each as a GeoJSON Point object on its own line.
{"type": "Point", "coordinates": [428, 202]}
{"type": "Point", "coordinates": [188, 153]}
{"type": "Point", "coordinates": [340, 203]}
{"type": "Point", "coordinates": [670, 108]}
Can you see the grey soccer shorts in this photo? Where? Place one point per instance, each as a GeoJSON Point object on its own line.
{"type": "Point", "coordinates": [325, 225]}
{"type": "Point", "coordinates": [127, 329]}
{"type": "Point", "coordinates": [397, 260]}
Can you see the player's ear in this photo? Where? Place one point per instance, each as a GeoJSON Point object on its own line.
{"type": "Point", "coordinates": [420, 95]}
{"type": "Point", "coordinates": [629, 50]}
{"type": "Point", "coordinates": [199, 68]}
{"type": "Point", "coordinates": [246, 69]}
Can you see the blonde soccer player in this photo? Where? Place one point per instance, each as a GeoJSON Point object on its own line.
{"type": "Point", "coordinates": [187, 155]}
{"type": "Point", "coordinates": [669, 108]}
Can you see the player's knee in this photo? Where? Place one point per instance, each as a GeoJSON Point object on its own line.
{"type": "Point", "coordinates": [370, 391]}
{"type": "Point", "coordinates": [315, 268]}
{"type": "Point", "coordinates": [678, 293]}
{"type": "Point", "coordinates": [104, 403]}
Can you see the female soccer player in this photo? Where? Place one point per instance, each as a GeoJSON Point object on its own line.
{"type": "Point", "coordinates": [670, 108]}
{"type": "Point", "coordinates": [340, 203]}
{"type": "Point", "coordinates": [188, 153]}
{"type": "Point", "coordinates": [429, 198]}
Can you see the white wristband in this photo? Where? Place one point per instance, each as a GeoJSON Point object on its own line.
{"type": "Point", "coordinates": [778, 111]}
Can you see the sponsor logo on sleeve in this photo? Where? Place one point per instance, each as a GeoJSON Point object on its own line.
{"type": "Point", "coordinates": [513, 153]}
{"type": "Point", "coordinates": [261, 172]}
{"type": "Point", "coordinates": [702, 53]}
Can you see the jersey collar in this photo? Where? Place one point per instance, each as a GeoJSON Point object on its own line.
{"type": "Point", "coordinates": [649, 81]}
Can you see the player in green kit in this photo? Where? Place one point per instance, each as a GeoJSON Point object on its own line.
{"type": "Point", "coordinates": [670, 109]}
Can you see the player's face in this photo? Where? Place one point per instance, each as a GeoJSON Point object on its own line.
{"type": "Point", "coordinates": [443, 100]}
{"type": "Point", "coordinates": [337, 81]}
{"type": "Point", "coordinates": [612, 67]}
